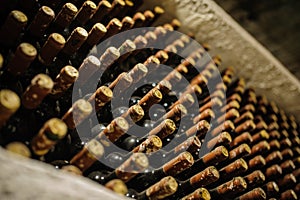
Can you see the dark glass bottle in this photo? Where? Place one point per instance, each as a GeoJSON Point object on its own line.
{"type": "Point", "coordinates": [175, 166]}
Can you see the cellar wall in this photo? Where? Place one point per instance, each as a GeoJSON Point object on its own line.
{"type": "Point", "coordinates": [27, 179]}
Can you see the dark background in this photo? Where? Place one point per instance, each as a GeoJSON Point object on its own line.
{"type": "Point", "coordinates": [274, 23]}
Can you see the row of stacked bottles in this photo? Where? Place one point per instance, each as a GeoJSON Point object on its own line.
{"type": "Point", "coordinates": [82, 88]}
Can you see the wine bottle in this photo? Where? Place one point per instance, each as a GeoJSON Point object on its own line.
{"type": "Point", "coordinates": [229, 189]}
{"type": "Point", "coordinates": [10, 32]}
{"type": "Point", "coordinates": [9, 104]}
{"type": "Point", "coordinates": [52, 131]}
{"type": "Point", "coordinates": [171, 168]}
{"type": "Point", "coordinates": [160, 190]}
{"type": "Point", "coordinates": [199, 194]}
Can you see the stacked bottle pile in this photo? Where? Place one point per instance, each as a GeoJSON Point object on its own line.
{"type": "Point", "coordinates": [105, 109]}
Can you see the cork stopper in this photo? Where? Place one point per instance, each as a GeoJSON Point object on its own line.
{"type": "Point", "coordinates": [274, 157]}
{"type": "Point", "coordinates": [176, 113]}
{"type": "Point", "coordinates": [85, 12]}
{"type": "Point", "coordinates": [245, 116]}
{"type": "Point", "coordinates": [237, 167]}
{"type": "Point", "coordinates": [260, 147]}
{"type": "Point", "coordinates": [72, 169]}
{"type": "Point", "coordinates": [187, 100]}
{"type": "Point", "coordinates": [139, 20]}
{"type": "Point", "coordinates": [152, 63]}
{"type": "Point", "coordinates": [92, 151]}
{"type": "Point", "coordinates": [117, 185]}
{"type": "Point", "coordinates": [240, 151]}
{"type": "Point", "coordinates": [124, 80]}
{"type": "Point", "coordinates": [149, 15]}
{"type": "Point", "coordinates": [89, 66]}
{"type": "Point", "coordinates": [273, 171]}
{"type": "Point", "coordinates": [176, 24]}
{"type": "Point", "coordinates": [41, 21]}
{"type": "Point", "coordinates": [52, 131]}
{"type": "Point", "coordinates": [235, 97]}
{"type": "Point", "coordinates": [138, 72]}
{"type": "Point", "coordinates": [223, 139]}
{"type": "Point", "coordinates": [256, 193]}
{"type": "Point", "coordinates": [205, 177]}
{"type": "Point", "coordinates": [255, 178]}
{"type": "Point", "coordinates": [41, 85]}
{"type": "Point", "coordinates": [158, 10]}
{"type": "Point", "coordinates": [227, 126]}
{"type": "Point", "coordinates": [289, 194]}
{"type": "Point", "coordinates": [257, 162]}
{"type": "Point", "coordinates": [127, 47]}
{"type": "Point", "coordinates": [135, 113]}
{"type": "Point", "coordinates": [213, 103]}
{"type": "Point", "coordinates": [127, 23]}
{"type": "Point", "coordinates": [137, 163]}
{"type": "Point", "coordinates": [261, 135]}
{"type": "Point", "coordinates": [110, 55]}
{"type": "Point", "coordinates": [74, 42]}
{"type": "Point", "coordinates": [113, 27]}
{"type": "Point", "coordinates": [272, 187]}
{"type": "Point", "coordinates": [216, 156]}
{"type": "Point", "coordinates": [9, 104]}
{"type": "Point", "coordinates": [23, 57]}
{"type": "Point", "coordinates": [66, 15]}
{"type": "Point", "coordinates": [164, 129]}
{"type": "Point", "coordinates": [102, 96]}
{"type": "Point", "coordinates": [18, 17]}
{"type": "Point", "coordinates": [192, 145]}
{"type": "Point", "coordinates": [162, 56]}
{"type": "Point", "coordinates": [236, 185]}
{"type": "Point", "coordinates": [243, 138]}
{"type": "Point", "coordinates": [246, 126]}
{"type": "Point", "coordinates": [51, 48]}
{"type": "Point", "coordinates": [67, 76]}
{"type": "Point", "coordinates": [152, 97]}
{"type": "Point", "coordinates": [173, 77]}
{"type": "Point", "coordinates": [200, 129]}
{"type": "Point", "coordinates": [231, 114]}
{"type": "Point", "coordinates": [103, 8]}
{"type": "Point", "coordinates": [164, 87]}
{"type": "Point", "coordinates": [199, 80]}
{"type": "Point", "coordinates": [80, 110]}
{"type": "Point", "coordinates": [115, 129]}
{"type": "Point", "coordinates": [18, 148]}
{"type": "Point", "coordinates": [162, 189]}
{"type": "Point", "coordinates": [97, 32]}
{"type": "Point", "coordinates": [199, 194]}
{"type": "Point", "coordinates": [178, 164]}
{"type": "Point", "coordinates": [140, 42]}
{"type": "Point", "coordinates": [150, 37]}
{"type": "Point", "coordinates": [152, 144]}
{"type": "Point", "coordinates": [14, 24]}
{"type": "Point", "coordinates": [207, 115]}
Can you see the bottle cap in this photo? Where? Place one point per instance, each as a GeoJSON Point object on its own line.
{"type": "Point", "coordinates": [41, 85]}
{"type": "Point", "coordinates": [51, 48]}
{"type": "Point", "coordinates": [135, 164]}
{"type": "Point", "coordinates": [162, 189]}
{"type": "Point", "coordinates": [9, 104]}
{"type": "Point", "coordinates": [152, 144]}
{"type": "Point", "coordinates": [205, 177]}
{"type": "Point", "coordinates": [18, 148]}
{"type": "Point", "coordinates": [24, 55]}
{"type": "Point", "coordinates": [178, 164]}
{"type": "Point", "coordinates": [117, 186]}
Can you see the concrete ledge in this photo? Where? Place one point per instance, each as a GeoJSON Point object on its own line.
{"type": "Point", "coordinates": [22, 178]}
